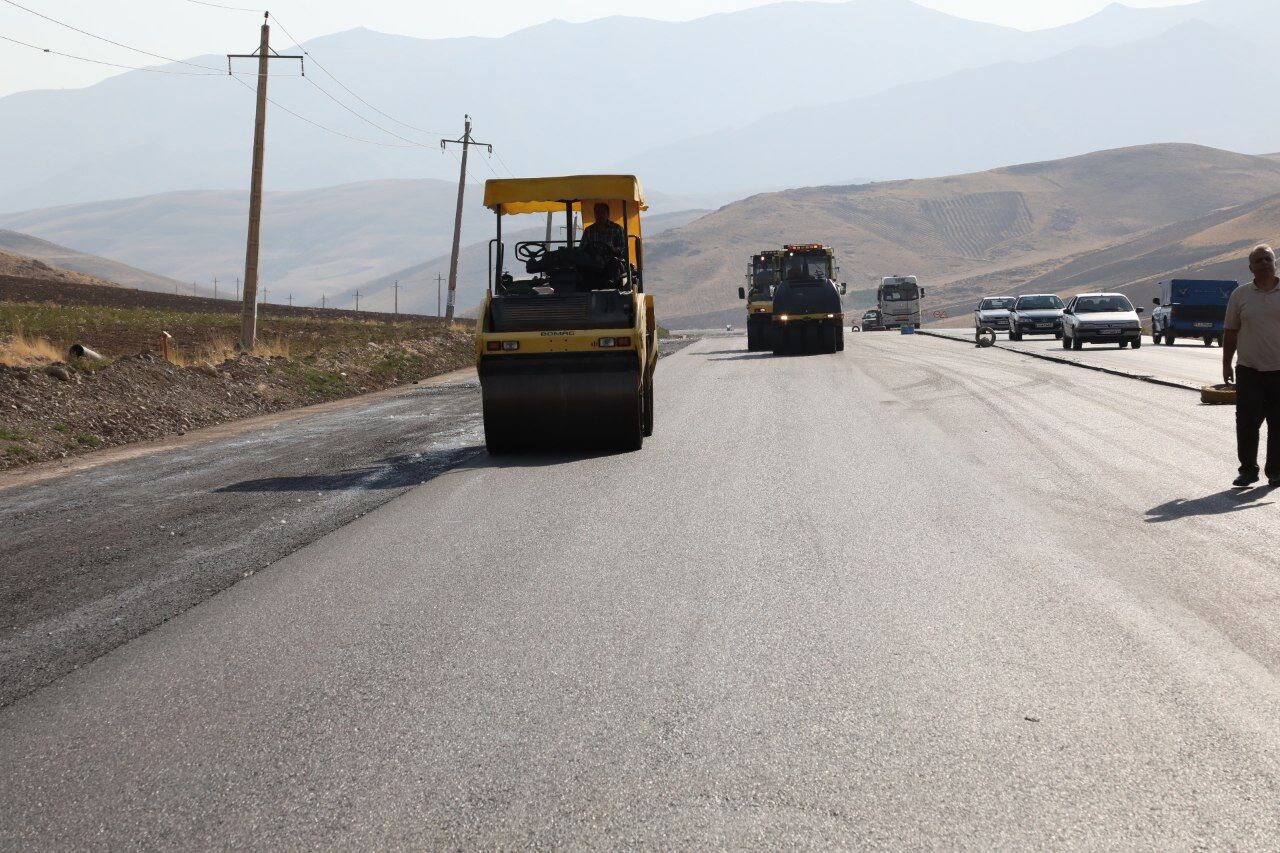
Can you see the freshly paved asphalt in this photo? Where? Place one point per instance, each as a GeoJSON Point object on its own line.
{"type": "Point", "coordinates": [915, 594]}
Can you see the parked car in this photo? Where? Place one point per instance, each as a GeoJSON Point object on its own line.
{"type": "Point", "coordinates": [1101, 318]}
{"type": "Point", "coordinates": [1191, 308]}
{"type": "Point", "coordinates": [993, 312]}
{"type": "Point", "coordinates": [872, 321]}
{"type": "Point", "coordinates": [1035, 314]}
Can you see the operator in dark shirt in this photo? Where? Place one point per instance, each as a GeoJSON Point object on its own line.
{"type": "Point", "coordinates": [605, 232]}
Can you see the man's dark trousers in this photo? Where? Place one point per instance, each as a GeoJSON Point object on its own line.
{"type": "Point", "coordinates": [1257, 400]}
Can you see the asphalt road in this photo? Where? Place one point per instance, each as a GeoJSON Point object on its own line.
{"type": "Point", "coordinates": [1186, 362]}
{"type": "Point", "coordinates": [915, 594]}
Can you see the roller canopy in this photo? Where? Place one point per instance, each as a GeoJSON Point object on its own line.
{"type": "Point", "coordinates": [549, 195]}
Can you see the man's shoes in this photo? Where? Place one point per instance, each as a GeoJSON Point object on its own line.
{"type": "Point", "coordinates": [1244, 481]}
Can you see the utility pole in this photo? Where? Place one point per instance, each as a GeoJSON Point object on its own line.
{"type": "Point", "coordinates": [264, 55]}
{"type": "Point", "coordinates": [215, 287]}
{"type": "Point", "coordinates": [357, 300]}
{"type": "Point", "coordinates": [466, 142]}
{"type": "Point", "coordinates": [264, 295]}
{"type": "Point", "coordinates": [322, 300]}
{"type": "Point", "coordinates": [439, 278]}
{"type": "Point", "coordinates": [396, 287]}
{"type": "Point", "coordinates": [290, 300]}
{"type": "Point", "coordinates": [237, 288]}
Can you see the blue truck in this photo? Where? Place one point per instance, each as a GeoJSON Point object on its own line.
{"type": "Point", "coordinates": [1191, 308]}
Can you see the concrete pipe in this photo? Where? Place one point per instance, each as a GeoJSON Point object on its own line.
{"type": "Point", "coordinates": [82, 351]}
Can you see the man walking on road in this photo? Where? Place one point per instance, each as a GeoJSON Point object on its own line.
{"type": "Point", "coordinates": [1253, 328]}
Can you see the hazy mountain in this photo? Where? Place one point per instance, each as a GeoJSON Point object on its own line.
{"type": "Point", "coordinates": [35, 258]}
{"type": "Point", "coordinates": [1195, 83]}
{"type": "Point", "coordinates": [963, 235]}
{"type": "Point", "coordinates": [553, 98]}
{"type": "Point", "coordinates": [313, 241]}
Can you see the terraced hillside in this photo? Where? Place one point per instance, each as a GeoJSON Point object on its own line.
{"type": "Point", "coordinates": [986, 232]}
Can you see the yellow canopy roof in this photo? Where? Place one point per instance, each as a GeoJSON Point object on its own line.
{"type": "Point", "coordinates": [549, 195]}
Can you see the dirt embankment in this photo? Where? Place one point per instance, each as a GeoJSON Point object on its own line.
{"type": "Point", "coordinates": [58, 410]}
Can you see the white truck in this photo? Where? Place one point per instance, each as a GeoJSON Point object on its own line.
{"type": "Point", "coordinates": [898, 298]}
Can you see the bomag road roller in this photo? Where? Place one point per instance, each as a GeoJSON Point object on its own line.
{"type": "Point", "coordinates": [807, 313]}
{"type": "Point", "coordinates": [567, 343]}
{"type": "Point", "coordinates": [762, 277]}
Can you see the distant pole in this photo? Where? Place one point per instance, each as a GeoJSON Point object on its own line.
{"type": "Point", "coordinates": [357, 300]}
{"type": "Point", "coordinates": [215, 287]}
{"type": "Point", "coordinates": [264, 295]}
{"type": "Point", "coordinates": [237, 288]}
{"type": "Point", "coordinates": [249, 311]}
{"type": "Point", "coordinates": [439, 279]}
{"type": "Point", "coordinates": [396, 287]}
{"type": "Point", "coordinates": [290, 300]}
{"type": "Point", "coordinates": [466, 142]}
{"type": "Point", "coordinates": [322, 300]}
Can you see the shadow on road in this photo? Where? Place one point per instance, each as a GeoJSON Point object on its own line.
{"type": "Point", "coordinates": [395, 472]}
{"type": "Point", "coordinates": [742, 356]}
{"type": "Point", "coordinates": [722, 352]}
{"type": "Point", "coordinates": [1232, 500]}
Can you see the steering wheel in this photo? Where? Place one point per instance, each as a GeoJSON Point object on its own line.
{"type": "Point", "coordinates": [530, 251]}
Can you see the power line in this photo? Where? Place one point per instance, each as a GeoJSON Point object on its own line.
{"type": "Point", "coordinates": [52, 52]}
{"type": "Point", "coordinates": [504, 164]}
{"type": "Point", "coordinates": [367, 121]}
{"type": "Point", "coordinates": [228, 8]}
{"type": "Point", "coordinates": [345, 87]}
{"type": "Point", "coordinates": [107, 40]}
{"type": "Point", "coordinates": [317, 124]}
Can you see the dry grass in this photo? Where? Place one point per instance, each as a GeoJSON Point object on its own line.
{"type": "Point", "coordinates": [222, 348]}
{"type": "Point", "coordinates": [21, 350]}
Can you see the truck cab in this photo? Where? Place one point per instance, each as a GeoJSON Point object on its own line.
{"type": "Point", "coordinates": [762, 278]}
{"type": "Point", "coordinates": [808, 316]}
{"type": "Point", "coordinates": [1191, 308]}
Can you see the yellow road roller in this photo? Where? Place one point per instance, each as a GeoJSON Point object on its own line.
{"type": "Point", "coordinates": [566, 339]}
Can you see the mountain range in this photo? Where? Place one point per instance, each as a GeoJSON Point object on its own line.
{"type": "Point", "coordinates": [682, 102]}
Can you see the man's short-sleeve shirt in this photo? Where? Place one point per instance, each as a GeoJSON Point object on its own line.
{"type": "Point", "coordinates": [607, 233]}
{"type": "Point", "coordinates": [1256, 314]}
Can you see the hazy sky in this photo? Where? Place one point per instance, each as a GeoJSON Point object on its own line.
{"type": "Point", "coordinates": [183, 28]}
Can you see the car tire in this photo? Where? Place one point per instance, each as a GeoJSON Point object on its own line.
{"type": "Point", "coordinates": [1208, 341]}
{"type": "Point", "coordinates": [1136, 343]}
{"type": "Point", "coordinates": [1168, 339]}
{"type": "Point", "coordinates": [1058, 335]}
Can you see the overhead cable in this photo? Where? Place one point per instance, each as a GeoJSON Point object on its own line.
{"type": "Point", "coordinates": [114, 64]}
{"type": "Point", "coordinates": [326, 129]}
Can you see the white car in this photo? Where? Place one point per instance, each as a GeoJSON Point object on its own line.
{"type": "Point", "coordinates": [1101, 318]}
{"type": "Point", "coordinates": [993, 312]}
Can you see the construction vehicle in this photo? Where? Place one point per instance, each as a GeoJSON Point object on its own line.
{"type": "Point", "coordinates": [762, 278]}
{"type": "Point", "coordinates": [807, 313]}
{"type": "Point", "coordinates": [566, 349]}
{"type": "Point", "coordinates": [898, 298]}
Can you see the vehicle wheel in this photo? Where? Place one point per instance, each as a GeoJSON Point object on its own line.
{"type": "Point", "coordinates": [752, 342]}
{"type": "Point", "coordinates": [1058, 335]}
{"type": "Point", "coordinates": [1077, 344]}
{"type": "Point", "coordinates": [1155, 335]}
{"type": "Point", "coordinates": [1208, 341]}
{"type": "Point", "coordinates": [1066, 342]}
{"type": "Point", "coordinates": [631, 436]}
{"type": "Point", "coordinates": [839, 339]}
{"type": "Point", "coordinates": [1136, 343]}
{"type": "Point", "coordinates": [833, 339]}
{"type": "Point", "coordinates": [648, 407]}
{"type": "Point", "coordinates": [1168, 339]}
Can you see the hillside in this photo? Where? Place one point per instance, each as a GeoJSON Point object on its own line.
{"type": "Point", "coordinates": [967, 234]}
{"type": "Point", "coordinates": [31, 253]}
{"type": "Point", "coordinates": [20, 267]}
{"type": "Point", "coordinates": [1189, 84]}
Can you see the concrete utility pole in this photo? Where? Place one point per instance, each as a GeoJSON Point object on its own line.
{"type": "Point", "coordinates": [237, 288]}
{"type": "Point", "coordinates": [290, 300]}
{"type": "Point", "coordinates": [264, 55]}
{"type": "Point", "coordinates": [396, 287]}
{"type": "Point", "coordinates": [466, 142]}
{"type": "Point", "coordinates": [357, 300]}
{"type": "Point", "coordinates": [322, 300]}
{"type": "Point", "coordinates": [439, 278]}
{"type": "Point", "coordinates": [215, 287]}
